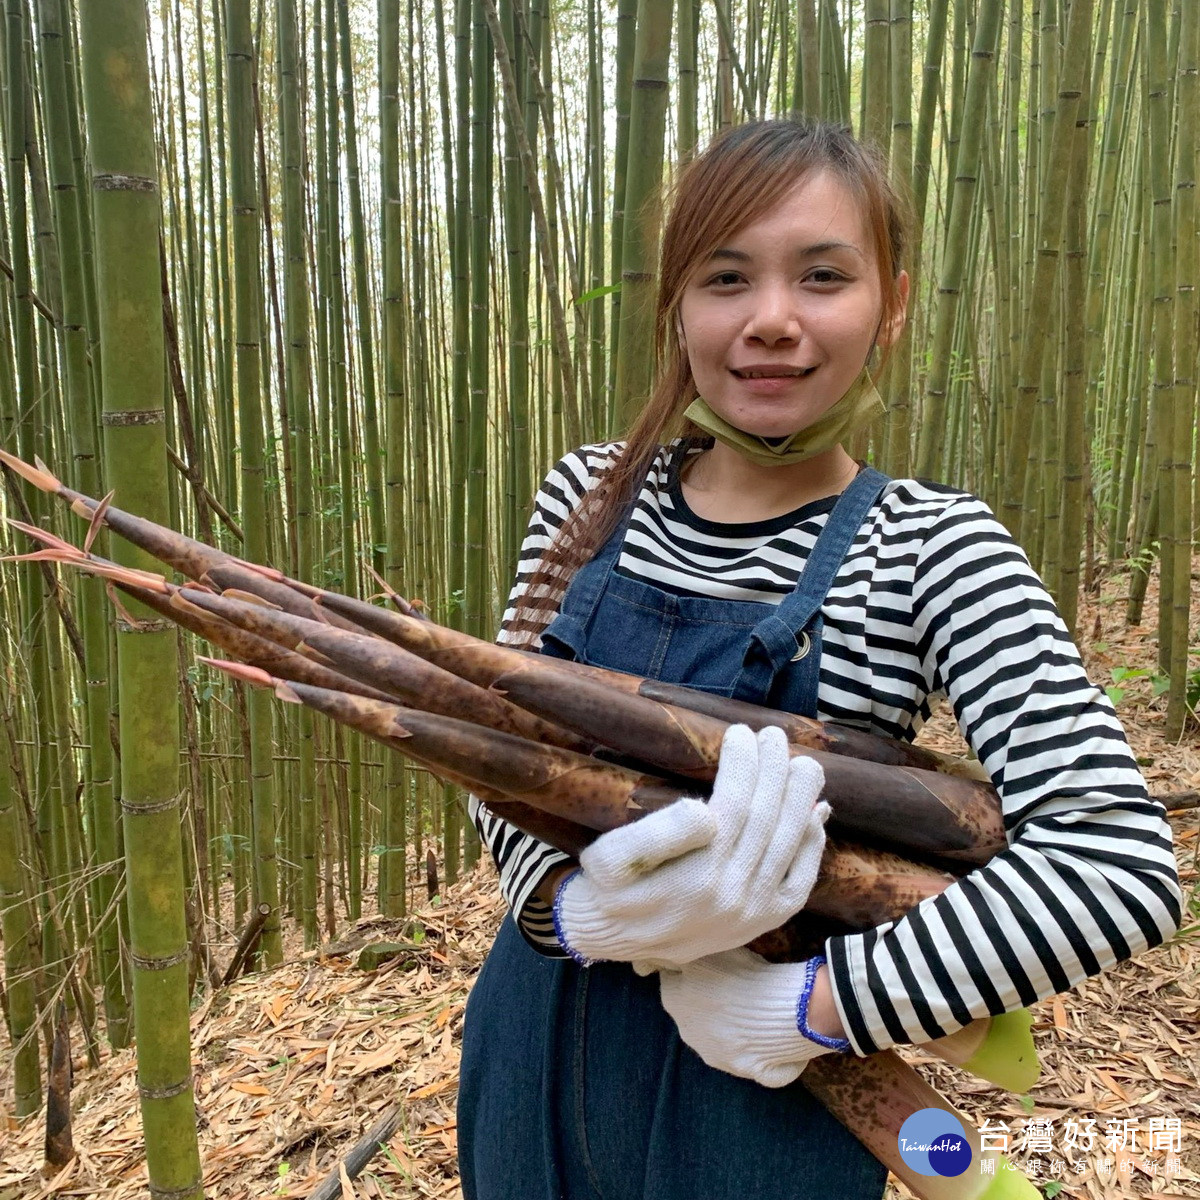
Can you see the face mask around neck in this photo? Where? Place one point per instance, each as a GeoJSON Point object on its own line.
{"type": "Point", "coordinates": [854, 411]}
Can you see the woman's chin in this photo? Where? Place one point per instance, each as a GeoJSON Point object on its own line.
{"type": "Point", "coordinates": [773, 426]}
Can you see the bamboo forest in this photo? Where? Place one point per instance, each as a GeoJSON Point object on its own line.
{"type": "Point", "coordinates": [329, 286]}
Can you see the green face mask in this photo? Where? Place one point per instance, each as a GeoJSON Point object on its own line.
{"type": "Point", "coordinates": [854, 411]}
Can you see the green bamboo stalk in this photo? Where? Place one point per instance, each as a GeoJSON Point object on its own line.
{"type": "Point", "coordinates": [44, 784]}
{"type": "Point", "coordinates": [627, 22]}
{"type": "Point", "coordinates": [648, 115]}
{"type": "Point", "coordinates": [60, 120]}
{"type": "Point", "coordinates": [421, 532]}
{"type": "Point", "coordinates": [1162, 265]}
{"type": "Point", "coordinates": [1074, 385]}
{"type": "Point", "coordinates": [395, 344]}
{"type": "Point", "coordinates": [1177, 551]}
{"type": "Point", "coordinates": [595, 177]}
{"type": "Point", "coordinates": [898, 432]}
{"type": "Point", "coordinates": [117, 101]}
{"type": "Point", "coordinates": [18, 933]}
{"type": "Point", "coordinates": [685, 119]}
{"type": "Point", "coordinates": [725, 28]}
{"type": "Point", "coordinates": [835, 87]}
{"type": "Point", "coordinates": [954, 267]}
{"type": "Point", "coordinates": [242, 66]}
{"type": "Point", "coordinates": [1120, 111]}
{"type": "Point", "coordinates": [342, 397]}
{"type": "Point", "coordinates": [1137, 333]}
{"type": "Point", "coordinates": [298, 372]}
{"type": "Point", "coordinates": [806, 71]}
{"type": "Point", "coordinates": [477, 542]}
{"type": "Point", "coordinates": [1054, 184]}
{"type": "Point", "coordinates": [372, 450]}
{"type": "Point", "coordinates": [511, 58]}
{"type": "Point", "coordinates": [875, 122]}
{"type": "Point", "coordinates": [931, 71]}
{"type": "Point", "coordinates": [574, 402]}
{"type": "Point", "coordinates": [225, 400]}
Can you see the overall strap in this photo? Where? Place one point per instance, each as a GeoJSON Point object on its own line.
{"type": "Point", "coordinates": [779, 638]}
{"type": "Point", "coordinates": [565, 635]}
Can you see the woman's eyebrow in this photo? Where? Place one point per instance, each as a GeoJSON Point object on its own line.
{"type": "Point", "coordinates": [729, 254]}
{"type": "Point", "coordinates": [826, 247]}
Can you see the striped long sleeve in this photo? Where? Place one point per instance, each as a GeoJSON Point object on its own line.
{"type": "Point", "coordinates": [1089, 876]}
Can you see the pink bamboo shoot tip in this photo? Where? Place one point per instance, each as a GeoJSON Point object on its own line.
{"type": "Point", "coordinates": [55, 556]}
{"type": "Point", "coordinates": [255, 676]}
{"type": "Point", "coordinates": [97, 522]}
{"type": "Point", "coordinates": [42, 535]}
{"type": "Point", "coordinates": [64, 552]}
{"type": "Point", "coordinates": [149, 580]}
{"type": "Point", "coordinates": [39, 476]}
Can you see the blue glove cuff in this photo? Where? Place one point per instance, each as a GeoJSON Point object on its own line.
{"type": "Point", "coordinates": [841, 1045]}
{"type": "Point", "coordinates": [559, 931]}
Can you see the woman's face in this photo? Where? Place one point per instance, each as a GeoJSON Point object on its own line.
{"type": "Point", "coordinates": [779, 322]}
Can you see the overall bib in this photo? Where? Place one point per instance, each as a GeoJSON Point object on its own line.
{"type": "Point", "coordinates": [575, 1083]}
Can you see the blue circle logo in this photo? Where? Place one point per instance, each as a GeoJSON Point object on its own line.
{"type": "Point", "coordinates": [933, 1142]}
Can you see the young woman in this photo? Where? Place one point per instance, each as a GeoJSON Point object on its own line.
{"type": "Point", "coordinates": [731, 543]}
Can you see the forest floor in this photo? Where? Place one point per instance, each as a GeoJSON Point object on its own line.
{"type": "Point", "coordinates": [293, 1065]}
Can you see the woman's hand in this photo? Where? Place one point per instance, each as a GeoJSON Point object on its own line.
{"type": "Point", "coordinates": [748, 1017]}
{"type": "Point", "coordinates": [694, 878]}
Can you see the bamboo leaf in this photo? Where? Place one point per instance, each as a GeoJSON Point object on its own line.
{"type": "Point", "coordinates": [609, 289]}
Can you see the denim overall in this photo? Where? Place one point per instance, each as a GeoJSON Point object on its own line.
{"type": "Point", "coordinates": [575, 1083]}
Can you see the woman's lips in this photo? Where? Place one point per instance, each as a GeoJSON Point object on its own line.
{"type": "Point", "coordinates": [769, 385]}
{"type": "Point", "coordinates": [770, 370]}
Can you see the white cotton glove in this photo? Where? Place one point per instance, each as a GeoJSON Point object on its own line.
{"type": "Point", "coordinates": [746, 1016]}
{"type": "Point", "coordinates": [696, 878]}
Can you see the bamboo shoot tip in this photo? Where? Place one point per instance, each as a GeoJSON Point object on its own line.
{"type": "Point", "coordinates": [255, 676]}
{"type": "Point", "coordinates": [39, 475]}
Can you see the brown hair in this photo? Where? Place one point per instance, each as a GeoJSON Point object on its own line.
{"type": "Point", "coordinates": [741, 176]}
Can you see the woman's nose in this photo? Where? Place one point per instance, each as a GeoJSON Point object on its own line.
{"type": "Point", "coordinates": [775, 315]}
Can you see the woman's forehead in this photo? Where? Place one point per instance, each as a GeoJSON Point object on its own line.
{"type": "Point", "coordinates": [818, 213]}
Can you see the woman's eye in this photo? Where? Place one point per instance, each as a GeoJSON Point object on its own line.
{"type": "Point", "coordinates": [825, 275]}
{"type": "Point", "coordinates": [725, 279]}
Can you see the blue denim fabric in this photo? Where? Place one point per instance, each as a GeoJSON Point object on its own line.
{"type": "Point", "coordinates": [575, 1084]}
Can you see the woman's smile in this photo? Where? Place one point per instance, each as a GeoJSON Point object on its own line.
{"type": "Point", "coordinates": [770, 381]}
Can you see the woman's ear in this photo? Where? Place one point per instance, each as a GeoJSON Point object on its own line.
{"type": "Point", "coordinates": [890, 330]}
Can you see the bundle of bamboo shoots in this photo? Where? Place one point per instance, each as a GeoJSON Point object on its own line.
{"type": "Point", "coordinates": [567, 751]}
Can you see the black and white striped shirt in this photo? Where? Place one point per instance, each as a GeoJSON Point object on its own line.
{"type": "Point", "coordinates": [933, 598]}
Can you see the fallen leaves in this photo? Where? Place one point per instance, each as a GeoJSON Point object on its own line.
{"type": "Point", "coordinates": [292, 1066]}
